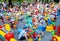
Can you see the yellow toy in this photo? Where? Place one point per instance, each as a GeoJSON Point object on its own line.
{"type": "Point", "coordinates": [46, 17]}
{"type": "Point", "coordinates": [7, 27]}
{"type": "Point", "coordinates": [30, 39]}
{"type": "Point", "coordinates": [56, 38]}
{"type": "Point", "coordinates": [2, 33]}
{"type": "Point", "coordinates": [49, 28]}
{"type": "Point", "coordinates": [12, 39]}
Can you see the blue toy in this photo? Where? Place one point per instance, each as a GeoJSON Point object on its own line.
{"type": "Point", "coordinates": [41, 28]}
{"type": "Point", "coordinates": [49, 21]}
{"type": "Point", "coordinates": [19, 30]}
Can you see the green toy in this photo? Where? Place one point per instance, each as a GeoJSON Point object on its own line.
{"type": "Point", "coordinates": [1, 37]}
{"type": "Point", "coordinates": [53, 23]}
{"type": "Point", "coordinates": [53, 32]}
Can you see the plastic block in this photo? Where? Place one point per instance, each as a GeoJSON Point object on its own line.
{"type": "Point", "coordinates": [8, 36]}
{"type": "Point", "coordinates": [1, 37]}
{"type": "Point", "coordinates": [7, 27]}
{"type": "Point", "coordinates": [1, 27]}
{"type": "Point", "coordinates": [57, 38]}
{"type": "Point", "coordinates": [30, 39]}
{"type": "Point", "coordinates": [7, 17]}
{"type": "Point", "coordinates": [41, 28]}
{"type": "Point", "coordinates": [59, 29]}
{"type": "Point", "coordinates": [49, 28]}
{"type": "Point", "coordinates": [35, 35]}
{"type": "Point", "coordinates": [54, 39]}
{"type": "Point", "coordinates": [49, 21]}
{"type": "Point", "coordinates": [53, 23]}
{"type": "Point", "coordinates": [12, 39]}
{"type": "Point", "coordinates": [2, 33]}
{"type": "Point", "coordinates": [53, 32]}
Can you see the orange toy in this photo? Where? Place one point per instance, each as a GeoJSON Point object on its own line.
{"type": "Point", "coordinates": [7, 17]}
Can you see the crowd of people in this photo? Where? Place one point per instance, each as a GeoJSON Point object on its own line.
{"type": "Point", "coordinates": [36, 16]}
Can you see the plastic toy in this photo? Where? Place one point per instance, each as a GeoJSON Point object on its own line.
{"type": "Point", "coordinates": [7, 17]}
{"type": "Point", "coordinates": [49, 28]}
{"type": "Point", "coordinates": [49, 21]}
{"type": "Point", "coordinates": [30, 39]}
{"type": "Point", "coordinates": [53, 32]}
{"type": "Point", "coordinates": [53, 23]}
{"type": "Point", "coordinates": [1, 27]}
{"type": "Point", "coordinates": [56, 38]}
{"type": "Point", "coordinates": [19, 30]}
{"type": "Point", "coordinates": [2, 33]}
{"type": "Point", "coordinates": [7, 27]}
{"type": "Point", "coordinates": [8, 36]}
{"type": "Point", "coordinates": [2, 38]}
{"type": "Point", "coordinates": [12, 39]}
{"type": "Point", "coordinates": [58, 29]}
{"type": "Point", "coordinates": [41, 28]}
{"type": "Point", "coordinates": [33, 20]}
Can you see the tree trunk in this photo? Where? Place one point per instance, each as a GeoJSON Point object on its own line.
{"type": "Point", "coordinates": [10, 3]}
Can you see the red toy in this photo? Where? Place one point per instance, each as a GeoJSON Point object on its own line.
{"type": "Point", "coordinates": [9, 36]}
{"type": "Point", "coordinates": [59, 29]}
{"type": "Point", "coordinates": [54, 38]}
{"type": "Point", "coordinates": [35, 35]}
{"type": "Point", "coordinates": [1, 27]}
{"type": "Point", "coordinates": [54, 27]}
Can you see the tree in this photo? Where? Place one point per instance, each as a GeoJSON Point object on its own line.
{"type": "Point", "coordinates": [10, 3]}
